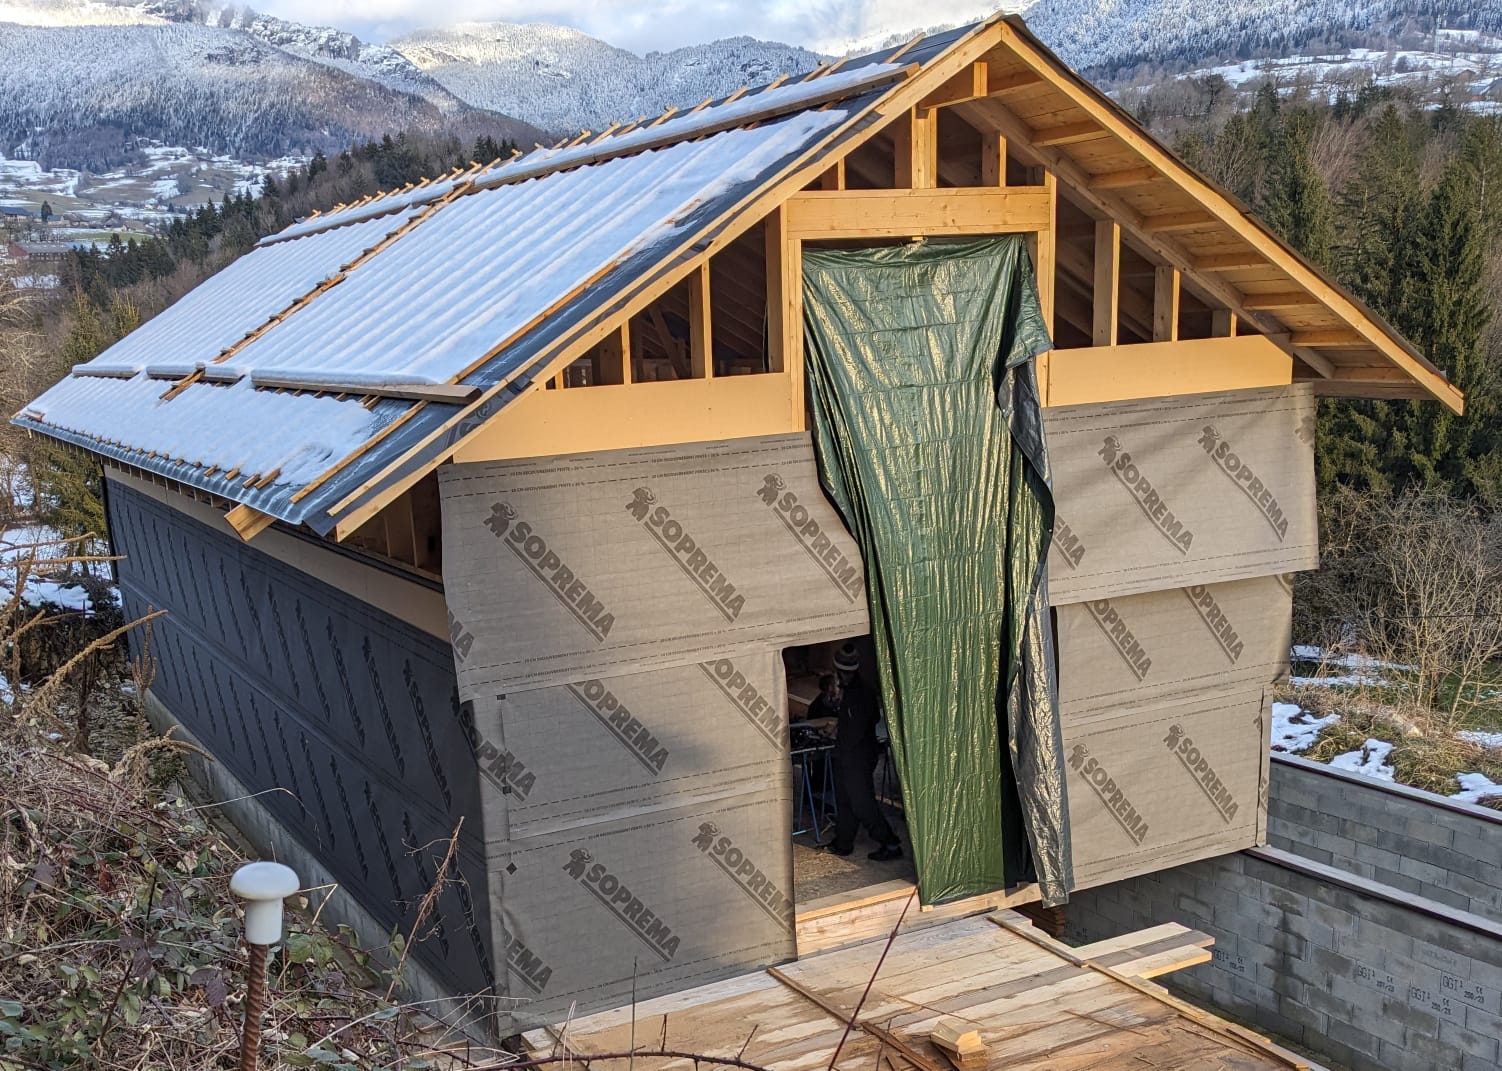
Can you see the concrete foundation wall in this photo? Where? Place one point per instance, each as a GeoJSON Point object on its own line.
{"type": "Point", "coordinates": [1413, 841]}
{"type": "Point", "coordinates": [1369, 975]}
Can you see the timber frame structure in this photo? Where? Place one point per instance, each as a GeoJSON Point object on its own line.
{"type": "Point", "coordinates": [1152, 280]}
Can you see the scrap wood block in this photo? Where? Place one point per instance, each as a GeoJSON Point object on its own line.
{"type": "Point", "coordinates": [961, 1042]}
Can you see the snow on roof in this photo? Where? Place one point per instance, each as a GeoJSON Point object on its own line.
{"type": "Point", "coordinates": [788, 98]}
{"type": "Point", "coordinates": [513, 259]}
{"type": "Point", "coordinates": [222, 310]}
{"type": "Point", "coordinates": [225, 427]}
{"type": "Point", "coordinates": [447, 292]}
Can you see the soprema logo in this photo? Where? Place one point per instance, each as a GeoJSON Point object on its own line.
{"type": "Point", "coordinates": [532, 550]}
{"type": "Point", "coordinates": [746, 698]}
{"type": "Point", "coordinates": [1247, 482]}
{"type": "Point", "coordinates": [1215, 620]}
{"type": "Point", "coordinates": [687, 554]}
{"type": "Point", "coordinates": [1120, 464]}
{"type": "Point", "coordinates": [627, 908]}
{"type": "Point", "coordinates": [620, 723]}
{"type": "Point", "coordinates": [1204, 774]}
{"type": "Point", "coordinates": [742, 870]}
{"type": "Point", "coordinates": [846, 575]}
{"type": "Point", "coordinates": [1122, 640]}
{"type": "Point", "coordinates": [1067, 542]}
{"type": "Point", "coordinates": [1110, 793]}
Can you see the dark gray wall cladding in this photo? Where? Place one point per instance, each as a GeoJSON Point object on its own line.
{"type": "Point", "coordinates": [1414, 841]}
{"type": "Point", "coordinates": [294, 685]}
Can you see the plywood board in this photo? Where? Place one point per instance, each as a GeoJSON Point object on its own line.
{"type": "Point", "coordinates": [1171, 492]}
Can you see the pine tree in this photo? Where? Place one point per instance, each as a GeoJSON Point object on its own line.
{"type": "Point", "coordinates": [1378, 209]}
{"type": "Point", "coordinates": [1295, 202]}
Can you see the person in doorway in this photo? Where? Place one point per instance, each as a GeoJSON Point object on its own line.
{"type": "Point", "coordinates": [845, 698]}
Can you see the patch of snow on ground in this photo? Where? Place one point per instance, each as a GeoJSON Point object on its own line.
{"type": "Point", "coordinates": [40, 544]}
{"type": "Point", "coordinates": [1475, 787]}
{"type": "Point", "coordinates": [1295, 730]}
{"type": "Point", "coordinates": [1369, 761]}
{"type": "Point", "coordinates": [1476, 736]}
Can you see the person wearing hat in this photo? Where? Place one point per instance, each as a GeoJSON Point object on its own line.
{"type": "Point", "coordinates": [845, 698]}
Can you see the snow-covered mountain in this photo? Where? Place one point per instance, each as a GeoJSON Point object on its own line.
{"type": "Point", "coordinates": [83, 83]}
{"type": "Point", "coordinates": [564, 80]}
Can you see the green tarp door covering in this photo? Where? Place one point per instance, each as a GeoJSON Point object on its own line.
{"type": "Point", "coordinates": [929, 437]}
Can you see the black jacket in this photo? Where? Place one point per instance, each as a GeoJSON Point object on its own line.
{"type": "Point", "coordinates": [856, 715]}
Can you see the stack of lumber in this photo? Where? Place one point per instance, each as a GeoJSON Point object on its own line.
{"type": "Point", "coordinates": [981, 993]}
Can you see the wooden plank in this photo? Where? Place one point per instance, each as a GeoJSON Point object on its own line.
{"type": "Point", "coordinates": [448, 393]}
{"type": "Point", "coordinates": [993, 158]}
{"type": "Point", "coordinates": [1161, 369]}
{"type": "Point", "coordinates": [1284, 299]}
{"type": "Point", "coordinates": [1048, 270]}
{"type": "Point", "coordinates": [1065, 133]}
{"type": "Point", "coordinates": [1165, 304]}
{"type": "Point", "coordinates": [1009, 82]}
{"type": "Point", "coordinates": [910, 213]}
{"type": "Point", "coordinates": [1107, 287]}
{"type": "Point", "coordinates": [1332, 338]}
{"type": "Point", "coordinates": [1126, 178]}
{"type": "Point", "coordinates": [1176, 221]}
{"type": "Point", "coordinates": [967, 85]}
{"type": "Point", "coordinates": [1230, 261]}
{"type": "Point", "coordinates": [1153, 934]}
{"type": "Point", "coordinates": [1223, 323]}
{"type": "Point", "coordinates": [700, 325]}
{"type": "Point", "coordinates": [249, 522]}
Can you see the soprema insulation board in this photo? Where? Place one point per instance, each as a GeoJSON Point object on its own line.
{"type": "Point", "coordinates": [1161, 493]}
{"type": "Point", "coordinates": [617, 622]}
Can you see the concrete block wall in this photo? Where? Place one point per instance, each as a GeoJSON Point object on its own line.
{"type": "Point", "coordinates": [1366, 977]}
{"type": "Point", "coordinates": [1413, 841]}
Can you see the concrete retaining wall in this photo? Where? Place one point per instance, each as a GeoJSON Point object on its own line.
{"type": "Point", "coordinates": [1413, 841]}
{"type": "Point", "coordinates": [1368, 974]}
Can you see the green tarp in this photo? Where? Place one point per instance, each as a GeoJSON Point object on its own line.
{"type": "Point", "coordinates": [929, 437]}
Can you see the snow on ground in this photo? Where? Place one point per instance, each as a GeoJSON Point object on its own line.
{"type": "Point", "coordinates": [1369, 761]}
{"type": "Point", "coordinates": [1485, 739]}
{"type": "Point", "coordinates": [1295, 730]}
{"type": "Point", "coordinates": [1475, 787]}
{"type": "Point", "coordinates": [39, 544]}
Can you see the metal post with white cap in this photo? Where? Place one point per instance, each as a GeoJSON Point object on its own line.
{"type": "Point", "coordinates": [263, 887]}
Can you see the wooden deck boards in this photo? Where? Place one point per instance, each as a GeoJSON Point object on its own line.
{"type": "Point", "coordinates": [1037, 1004]}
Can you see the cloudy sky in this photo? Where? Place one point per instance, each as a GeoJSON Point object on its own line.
{"type": "Point", "coordinates": [645, 25]}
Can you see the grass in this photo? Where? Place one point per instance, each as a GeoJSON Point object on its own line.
{"type": "Point", "coordinates": [1426, 754]}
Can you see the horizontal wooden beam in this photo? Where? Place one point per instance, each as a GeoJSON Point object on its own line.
{"type": "Point", "coordinates": [1011, 81]}
{"type": "Point", "coordinates": [1336, 338]}
{"type": "Point", "coordinates": [1176, 221]}
{"type": "Point", "coordinates": [1230, 261]}
{"type": "Point", "coordinates": [967, 85]}
{"type": "Point", "coordinates": [249, 522]}
{"type": "Point", "coordinates": [1285, 299]}
{"type": "Point", "coordinates": [1125, 179]}
{"type": "Point", "coordinates": [1066, 133]}
{"type": "Point", "coordinates": [448, 393]}
{"type": "Point", "coordinates": [820, 215]}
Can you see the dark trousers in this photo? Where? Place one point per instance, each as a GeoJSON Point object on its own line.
{"type": "Point", "coordinates": [855, 800]}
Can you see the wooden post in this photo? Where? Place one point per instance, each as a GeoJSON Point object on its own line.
{"type": "Point", "coordinates": [915, 149]}
{"type": "Point", "coordinates": [1166, 304]}
{"type": "Point", "coordinates": [1047, 272]}
{"type": "Point", "coordinates": [1107, 288]}
{"type": "Point", "coordinates": [993, 158]}
{"type": "Point", "coordinates": [1222, 323]}
{"type": "Point", "coordinates": [785, 310]}
{"type": "Point", "coordinates": [615, 357]}
{"type": "Point", "coordinates": [834, 178]}
{"type": "Point", "coordinates": [700, 332]}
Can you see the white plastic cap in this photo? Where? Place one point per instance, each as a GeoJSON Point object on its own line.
{"type": "Point", "coordinates": [264, 886]}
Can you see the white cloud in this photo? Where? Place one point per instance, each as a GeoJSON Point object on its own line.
{"type": "Point", "coordinates": [647, 25]}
